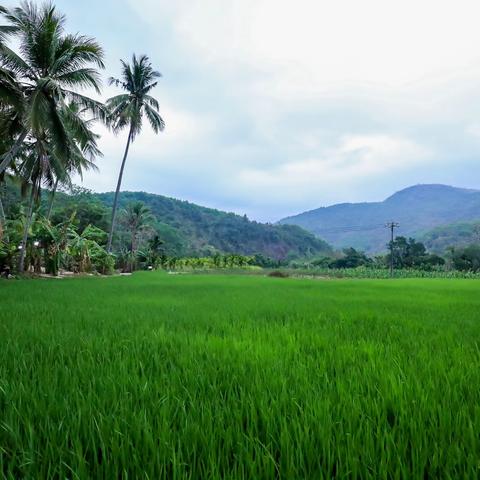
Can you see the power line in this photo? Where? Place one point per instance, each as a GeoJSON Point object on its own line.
{"type": "Point", "coordinates": [349, 228]}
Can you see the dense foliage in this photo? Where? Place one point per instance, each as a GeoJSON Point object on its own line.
{"type": "Point", "coordinates": [408, 253]}
{"type": "Point", "coordinates": [466, 258]}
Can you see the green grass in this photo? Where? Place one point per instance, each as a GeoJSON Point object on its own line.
{"type": "Point", "coordinates": [189, 376]}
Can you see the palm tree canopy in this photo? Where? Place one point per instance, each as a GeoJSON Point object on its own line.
{"type": "Point", "coordinates": [127, 110]}
{"type": "Point", "coordinates": [137, 217]}
{"type": "Point", "coordinates": [46, 75]}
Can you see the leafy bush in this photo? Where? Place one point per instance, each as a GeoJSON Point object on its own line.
{"type": "Point", "coordinates": [278, 274]}
{"type": "Point", "coordinates": [351, 259]}
{"type": "Point", "coordinates": [467, 258]}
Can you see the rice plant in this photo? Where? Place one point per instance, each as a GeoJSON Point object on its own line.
{"type": "Point", "coordinates": [207, 376]}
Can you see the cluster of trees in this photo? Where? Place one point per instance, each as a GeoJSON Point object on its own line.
{"type": "Point", "coordinates": [47, 133]}
{"type": "Point", "coordinates": [406, 254]}
{"type": "Point", "coordinates": [467, 258]}
{"type": "Point", "coordinates": [71, 242]}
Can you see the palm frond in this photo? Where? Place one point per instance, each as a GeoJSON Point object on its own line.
{"type": "Point", "coordinates": [81, 78]}
{"type": "Point", "coordinates": [156, 121]}
{"type": "Point", "coordinates": [96, 108]}
{"type": "Point", "coordinates": [15, 63]}
{"type": "Point", "coordinates": [137, 79]}
{"type": "Point", "coordinates": [77, 51]}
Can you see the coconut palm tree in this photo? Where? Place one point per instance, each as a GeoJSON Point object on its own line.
{"type": "Point", "coordinates": [11, 104]}
{"type": "Point", "coordinates": [82, 158]}
{"type": "Point", "coordinates": [48, 72]}
{"type": "Point", "coordinates": [137, 220]}
{"type": "Point", "coordinates": [127, 111]}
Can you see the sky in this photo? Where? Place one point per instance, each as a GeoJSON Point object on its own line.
{"type": "Point", "coordinates": [274, 107]}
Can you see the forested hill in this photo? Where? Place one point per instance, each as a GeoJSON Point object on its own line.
{"type": "Point", "coordinates": [188, 229]}
{"type": "Point", "coordinates": [418, 209]}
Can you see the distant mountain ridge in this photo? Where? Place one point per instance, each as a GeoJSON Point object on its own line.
{"type": "Point", "coordinates": [417, 209]}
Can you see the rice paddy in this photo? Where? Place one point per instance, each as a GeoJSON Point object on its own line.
{"type": "Point", "coordinates": [215, 376]}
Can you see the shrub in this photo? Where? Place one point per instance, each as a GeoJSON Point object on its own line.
{"type": "Point", "coordinates": [278, 274]}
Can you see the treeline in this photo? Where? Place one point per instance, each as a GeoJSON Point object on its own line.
{"type": "Point", "coordinates": [405, 254]}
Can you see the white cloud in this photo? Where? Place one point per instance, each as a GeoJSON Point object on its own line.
{"type": "Point", "coordinates": [274, 106]}
{"type": "Point", "coordinates": [356, 158]}
{"type": "Point", "coordinates": [183, 129]}
{"type": "Point", "coordinates": [311, 41]}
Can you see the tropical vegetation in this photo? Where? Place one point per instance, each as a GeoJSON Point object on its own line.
{"type": "Point", "coordinates": [46, 126]}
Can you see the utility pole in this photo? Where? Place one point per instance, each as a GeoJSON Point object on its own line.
{"type": "Point", "coordinates": [391, 225]}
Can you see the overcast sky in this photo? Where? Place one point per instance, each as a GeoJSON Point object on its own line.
{"type": "Point", "coordinates": [274, 107]}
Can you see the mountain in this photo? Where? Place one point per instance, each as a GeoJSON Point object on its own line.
{"type": "Point", "coordinates": [417, 209]}
{"type": "Point", "coordinates": [188, 229]}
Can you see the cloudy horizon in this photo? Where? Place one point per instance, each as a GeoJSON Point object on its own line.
{"type": "Point", "coordinates": [274, 107]}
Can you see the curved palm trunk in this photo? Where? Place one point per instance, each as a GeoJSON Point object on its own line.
{"type": "Point", "coordinates": [117, 191]}
{"type": "Point", "coordinates": [3, 220]}
{"type": "Point", "coordinates": [52, 198]}
{"type": "Point", "coordinates": [28, 222]}
{"type": "Point", "coordinates": [6, 159]}
{"type": "Point", "coordinates": [3, 217]}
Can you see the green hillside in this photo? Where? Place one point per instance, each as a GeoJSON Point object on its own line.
{"type": "Point", "coordinates": [418, 209]}
{"type": "Point", "coordinates": [190, 230]}
{"type": "Point", "coordinates": [200, 230]}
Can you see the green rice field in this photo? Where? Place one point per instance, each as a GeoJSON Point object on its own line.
{"type": "Point", "coordinates": [162, 376]}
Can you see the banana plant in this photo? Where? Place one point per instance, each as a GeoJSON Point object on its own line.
{"type": "Point", "coordinates": [53, 239]}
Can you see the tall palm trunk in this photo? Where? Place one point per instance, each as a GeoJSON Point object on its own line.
{"type": "Point", "coordinates": [117, 191]}
{"type": "Point", "coordinates": [52, 198]}
{"type": "Point", "coordinates": [28, 222]}
{"type": "Point", "coordinates": [3, 217]}
{"type": "Point", "coordinates": [2, 213]}
{"type": "Point", "coordinates": [6, 159]}
{"type": "Point", "coordinates": [2, 221]}
{"type": "Point", "coordinates": [133, 249]}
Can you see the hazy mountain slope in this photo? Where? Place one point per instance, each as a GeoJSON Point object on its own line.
{"type": "Point", "coordinates": [418, 209]}
{"type": "Point", "coordinates": [459, 234]}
